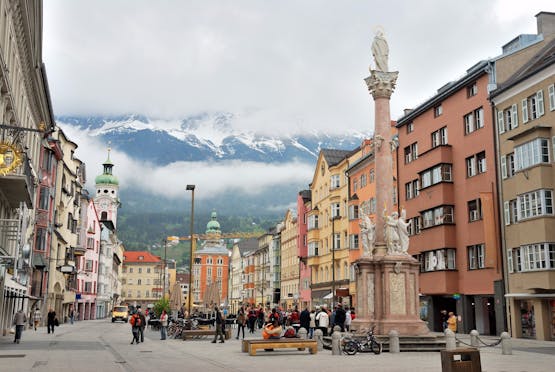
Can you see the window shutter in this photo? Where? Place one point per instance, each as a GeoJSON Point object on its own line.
{"type": "Point", "coordinates": [551, 90]}
{"type": "Point", "coordinates": [507, 210]}
{"type": "Point", "coordinates": [539, 99]}
{"type": "Point", "coordinates": [500, 122]}
{"type": "Point", "coordinates": [553, 148]}
{"type": "Point", "coordinates": [503, 167]}
{"type": "Point", "coordinates": [510, 260]}
{"type": "Point", "coordinates": [514, 113]}
{"type": "Point", "coordinates": [524, 111]}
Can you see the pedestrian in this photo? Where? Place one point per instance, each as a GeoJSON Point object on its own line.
{"type": "Point", "coordinates": [443, 319]}
{"type": "Point", "coordinates": [219, 326]}
{"type": "Point", "coordinates": [304, 319]}
{"type": "Point", "coordinates": [323, 320]}
{"type": "Point", "coordinates": [241, 321]}
{"type": "Point", "coordinates": [135, 322]}
{"type": "Point", "coordinates": [312, 324]}
{"type": "Point", "coordinates": [340, 316]}
{"type": "Point", "coordinates": [163, 325]}
{"type": "Point", "coordinates": [452, 322]}
{"type": "Point", "coordinates": [348, 320]}
{"type": "Point", "coordinates": [252, 320]}
{"type": "Point", "coordinates": [51, 320]}
{"type": "Point", "coordinates": [142, 325]}
{"type": "Point", "coordinates": [71, 315]}
{"type": "Point", "coordinates": [19, 320]}
{"type": "Point", "coordinates": [37, 317]}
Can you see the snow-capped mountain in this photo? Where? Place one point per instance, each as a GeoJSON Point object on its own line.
{"type": "Point", "coordinates": [205, 137]}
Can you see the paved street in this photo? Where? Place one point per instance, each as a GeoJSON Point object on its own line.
{"type": "Point", "coordinates": [102, 346]}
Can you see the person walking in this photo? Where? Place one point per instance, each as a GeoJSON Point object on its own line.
{"type": "Point", "coordinates": [340, 316]}
{"type": "Point", "coordinates": [252, 319]}
{"type": "Point", "coordinates": [312, 324]}
{"type": "Point", "coordinates": [71, 315]}
{"type": "Point", "coordinates": [37, 317]}
{"type": "Point", "coordinates": [323, 321]}
{"type": "Point", "coordinates": [19, 320]}
{"type": "Point", "coordinates": [51, 320]}
{"type": "Point", "coordinates": [219, 326]}
{"type": "Point", "coordinates": [348, 320]}
{"type": "Point", "coordinates": [241, 321]}
{"type": "Point", "coordinates": [163, 325]}
{"type": "Point", "coordinates": [304, 319]}
{"type": "Point", "coordinates": [135, 322]}
{"type": "Point", "coordinates": [143, 325]}
{"type": "Point", "coordinates": [452, 322]}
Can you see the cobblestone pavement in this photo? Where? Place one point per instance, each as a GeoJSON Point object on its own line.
{"type": "Point", "coordinates": [100, 345]}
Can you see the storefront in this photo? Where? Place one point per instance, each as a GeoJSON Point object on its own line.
{"type": "Point", "coordinates": [532, 315]}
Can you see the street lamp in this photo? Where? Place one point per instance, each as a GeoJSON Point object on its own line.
{"type": "Point", "coordinates": [191, 250]}
{"type": "Point", "coordinates": [165, 266]}
{"type": "Point", "coordinates": [336, 217]}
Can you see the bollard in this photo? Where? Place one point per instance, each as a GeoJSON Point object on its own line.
{"type": "Point", "coordinates": [337, 329]}
{"type": "Point", "coordinates": [336, 343]}
{"type": "Point", "coordinates": [474, 338]}
{"type": "Point", "coordinates": [394, 346]}
{"type": "Point", "coordinates": [450, 342]}
{"type": "Point", "coordinates": [302, 333]}
{"type": "Point", "coordinates": [506, 344]}
{"type": "Point", "coordinates": [318, 336]}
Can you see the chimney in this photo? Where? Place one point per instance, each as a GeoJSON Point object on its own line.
{"type": "Point", "coordinates": [546, 23]}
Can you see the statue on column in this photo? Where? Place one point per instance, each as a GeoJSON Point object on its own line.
{"type": "Point", "coordinates": [391, 232]}
{"type": "Point", "coordinates": [403, 230]}
{"type": "Point", "coordinates": [380, 51]}
{"type": "Point", "coordinates": [368, 235]}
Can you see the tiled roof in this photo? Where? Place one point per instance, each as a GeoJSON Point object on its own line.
{"type": "Point", "coordinates": [135, 256]}
{"type": "Point", "coordinates": [334, 156]}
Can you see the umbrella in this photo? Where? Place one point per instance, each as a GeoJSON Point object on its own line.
{"type": "Point", "coordinates": [212, 295]}
{"type": "Point", "coordinates": [176, 297]}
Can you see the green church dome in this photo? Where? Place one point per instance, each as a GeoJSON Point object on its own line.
{"type": "Point", "coordinates": [213, 226]}
{"type": "Point", "coordinates": [107, 177]}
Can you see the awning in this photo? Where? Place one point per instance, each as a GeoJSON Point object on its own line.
{"type": "Point", "coordinates": [320, 293]}
{"type": "Point", "coordinates": [530, 295]}
{"type": "Point", "coordinates": [329, 296]}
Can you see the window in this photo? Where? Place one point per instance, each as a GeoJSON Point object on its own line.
{"type": "Point", "coordinates": [335, 181]}
{"type": "Point", "coordinates": [147, 293]}
{"type": "Point", "coordinates": [476, 164]}
{"type": "Point", "coordinates": [40, 241]}
{"type": "Point", "coordinates": [532, 107]}
{"type": "Point", "coordinates": [337, 241]}
{"type": "Point", "coordinates": [138, 294]}
{"type": "Point", "coordinates": [219, 272]}
{"type": "Point", "coordinates": [209, 261]}
{"type": "Point", "coordinates": [532, 153]}
{"type": "Point", "coordinates": [372, 176]}
{"type": "Point", "coordinates": [475, 257]}
{"type": "Point", "coordinates": [471, 90]}
{"type": "Point", "coordinates": [353, 241]}
{"type": "Point", "coordinates": [414, 227]}
{"type": "Point", "coordinates": [532, 257]}
{"type": "Point", "coordinates": [140, 270]}
{"type": "Point", "coordinates": [474, 210]}
{"type": "Point", "coordinates": [511, 118]}
{"type": "Point", "coordinates": [412, 189]}
{"type": "Point", "coordinates": [372, 206]}
{"type": "Point", "coordinates": [410, 127]}
{"type": "Point", "coordinates": [474, 120]}
{"type": "Point", "coordinates": [436, 260]}
{"type": "Point", "coordinates": [438, 110]}
{"type": "Point", "coordinates": [335, 209]}
{"type": "Point", "coordinates": [362, 180]}
{"type": "Point", "coordinates": [88, 287]}
{"type": "Point", "coordinates": [438, 216]}
{"type": "Point", "coordinates": [44, 198]}
{"type": "Point", "coordinates": [148, 270]}
{"type": "Point", "coordinates": [508, 165]}
{"type": "Point", "coordinates": [353, 212]}
{"type": "Point", "coordinates": [209, 271]}
{"type": "Point", "coordinates": [437, 174]}
{"type": "Point", "coordinates": [439, 137]}
{"type": "Point", "coordinates": [139, 281]}
{"type": "Point", "coordinates": [312, 222]}
{"type": "Point", "coordinates": [551, 91]}
{"type": "Point", "coordinates": [89, 265]}
{"type": "Point", "coordinates": [534, 204]}
{"type": "Point", "coordinates": [130, 270]}
{"type": "Point", "coordinates": [411, 153]}
{"type": "Point", "coordinates": [90, 243]}
{"type": "Point", "coordinates": [355, 186]}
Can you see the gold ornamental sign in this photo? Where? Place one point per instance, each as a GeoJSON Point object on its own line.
{"type": "Point", "coordinates": [10, 158]}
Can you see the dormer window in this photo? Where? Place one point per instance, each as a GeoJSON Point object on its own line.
{"type": "Point", "coordinates": [141, 258]}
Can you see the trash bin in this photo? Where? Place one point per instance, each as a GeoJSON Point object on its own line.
{"type": "Point", "coordinates": [461, 360]}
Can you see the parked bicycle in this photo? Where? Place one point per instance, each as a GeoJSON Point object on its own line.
{"type": "Point", "coordinates": [351, 346]}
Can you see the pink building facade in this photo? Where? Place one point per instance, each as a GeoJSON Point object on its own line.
{"type": "Point", "coordinates": [303, 203]}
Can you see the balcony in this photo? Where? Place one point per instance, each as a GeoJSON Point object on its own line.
{"type": "Point", "coordinates": [79, 250]}
{"type": "Point", "coordinates": [19, 187]}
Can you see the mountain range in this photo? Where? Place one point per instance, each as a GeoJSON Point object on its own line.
{"type": "Point", "coordinates": [208, 138]}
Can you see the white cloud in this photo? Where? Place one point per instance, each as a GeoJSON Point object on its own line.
{"type": "Point", "coordinates": [283, 65]}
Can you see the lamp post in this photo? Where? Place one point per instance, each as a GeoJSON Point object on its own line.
{"type": "Point", "coordinates": [333, 218]}
{"type": "Point", "coordinates": [164, 269]}
{"type": "Point", "coordinates": [191, 248]}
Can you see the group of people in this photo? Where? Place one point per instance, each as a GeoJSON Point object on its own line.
{"type": "Point", "coordinates": [20, 320]}
{"type": "Point", "coordinates": [448, 320]}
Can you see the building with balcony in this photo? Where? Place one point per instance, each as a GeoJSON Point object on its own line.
{"type": "Point", "coordinates": [237, 275]}
{"type": "Point", "coordinates": [525, 113]}
{"type": "Point", "coordinates": [327, 235]}
{"type": "Point", "coordinates": [303, 207]}
{"type": "Point", "coordinates": [26, 118]}
{"type": "Point", "coordinates": [262, 286]}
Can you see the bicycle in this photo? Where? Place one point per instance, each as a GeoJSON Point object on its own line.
{"type": "Point", "coordinates": [351, 346]}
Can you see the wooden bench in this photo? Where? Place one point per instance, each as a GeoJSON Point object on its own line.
{"type": "Point", "coordinates": [251, 346]}
{"type": "Point", "coordinates": [197, 333]}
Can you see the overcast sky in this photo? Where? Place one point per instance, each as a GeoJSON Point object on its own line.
{"type": "Point", "coordinates": [278, 65]}
{"type": "Point", "coordinates": [293, 63]}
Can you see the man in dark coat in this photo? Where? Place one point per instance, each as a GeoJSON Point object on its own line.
{"type": "Point", "coordinates": [219, 326]}
{"type": "Point", "coordinates": [340, 315]}
{"type": "Point", "coordinates": [305, 319]}
{"type": "Point", "coordinates": [143, 325]}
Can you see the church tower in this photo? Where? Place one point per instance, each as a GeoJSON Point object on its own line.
{"type": "Point", "coordinates": [106, 199]}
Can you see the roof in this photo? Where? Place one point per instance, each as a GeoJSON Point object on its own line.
{"type": "Point", "coordinates": [247, 245]}
{"type": "Point", "coordinates": [545, 57]}
{"type": "Point", "coordinates": [334, 157]}
{"type": "Point", "coordinates": [135, 257]}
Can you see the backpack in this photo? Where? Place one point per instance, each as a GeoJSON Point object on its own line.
{"type": "Point", "coordinates": [135, 321]}
{"type": "Point", "coordinates": [290, 333]}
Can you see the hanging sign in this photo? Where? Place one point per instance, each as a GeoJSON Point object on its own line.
{"type": "Point", "coordinates": [10, 158]}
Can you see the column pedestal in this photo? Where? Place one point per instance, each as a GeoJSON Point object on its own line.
{"type": "Point", "coordinates": [387, 292]}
